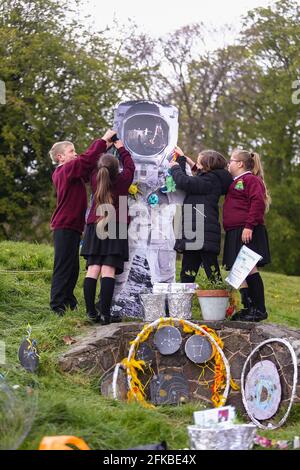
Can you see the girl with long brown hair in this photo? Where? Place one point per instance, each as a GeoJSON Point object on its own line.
{"type": "Point", "coordinates": [210, 182]}
{"type": "Point", "coordinates": [244, 208]}
{"type": "Point", "coordinates": [105, 244]}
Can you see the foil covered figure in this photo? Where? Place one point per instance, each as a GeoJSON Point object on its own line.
{"type": "Point", "coordinates": [149, 131]}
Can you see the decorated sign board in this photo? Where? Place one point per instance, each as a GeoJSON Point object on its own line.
{"type": "Point", "coordinates": [244, 263]}
{"type": "Point", "coordinates": [263, 390]}
{"type": "Point", "coordinates": [261, 387]}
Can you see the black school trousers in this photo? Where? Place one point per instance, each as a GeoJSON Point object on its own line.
{"type": "Point", "coordinates": [65, 269]}
{"type": "Point", "coordinates": [193, 260]}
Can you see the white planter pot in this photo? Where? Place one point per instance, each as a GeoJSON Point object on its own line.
{"type": "Point", "coordinates": [213, 304]}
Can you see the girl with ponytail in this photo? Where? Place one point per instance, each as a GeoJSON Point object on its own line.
{"type": "Point", "coordinates": [108, 170]}
{"type": "Point", "coordinates": [244, 208]}
{"type": "Point", "coordinates": [105, 246]}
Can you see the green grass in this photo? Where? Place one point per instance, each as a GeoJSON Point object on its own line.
{"type": "Point", "coordinates": [71, 404]}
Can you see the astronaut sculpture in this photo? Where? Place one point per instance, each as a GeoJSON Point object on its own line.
{"type": "Point", "coordinates": [149, 131]}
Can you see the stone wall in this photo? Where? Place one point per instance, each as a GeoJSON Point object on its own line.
{"type": "Point", "coordinates": [99, 351]}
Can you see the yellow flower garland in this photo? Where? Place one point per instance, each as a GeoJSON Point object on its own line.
{"type": "Point", "coordinates": [220, 372]}
{"type": "Point", "coordinates": [133, 190]}
{"type": "Point", "coordinates": [133, 366]}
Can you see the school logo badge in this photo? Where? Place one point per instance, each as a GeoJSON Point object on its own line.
{"type": "Point", "coordinates": [239, 185]}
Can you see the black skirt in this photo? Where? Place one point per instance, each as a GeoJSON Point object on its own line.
{"type": "Point", "coordinates": [112, 251]}
{"type": "Point", "coordinates": [259, 244]}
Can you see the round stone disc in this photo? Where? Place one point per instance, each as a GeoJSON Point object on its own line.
{"type": "Point", "coordinates": [169, 388]}
{"type": "Point", "coordinates": [167, 340]}
{"type": "Point", "coordinates": [263, 390]}
{"type": "Point", "coordinates": [145, 353]}
{"type": "Point", "coordinates": [198, 349]}
{"type": "Point", "coordinates": [106, 382]}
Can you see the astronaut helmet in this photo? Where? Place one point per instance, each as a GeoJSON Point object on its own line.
{"type": "Point", "coordinates": [148, 129]}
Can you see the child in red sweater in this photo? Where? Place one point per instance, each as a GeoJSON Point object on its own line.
{"type": "Point", "coordinates": [105, 257]}
{"type": "Point", "coordinates": [243, 218]}
{"type": "Point", "coordinates": [67, 222]}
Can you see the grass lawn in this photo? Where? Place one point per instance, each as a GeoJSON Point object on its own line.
{"type": "Point", "coordinates": [71, 404]}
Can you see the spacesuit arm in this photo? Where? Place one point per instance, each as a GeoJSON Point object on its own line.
{"type": "Point", "coordinates": [191, 184]}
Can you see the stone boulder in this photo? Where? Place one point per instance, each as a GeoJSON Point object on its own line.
{"type": "Point", "coordinates": [104, 346]}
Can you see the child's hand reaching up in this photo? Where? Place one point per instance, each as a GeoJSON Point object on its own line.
{"type": "Point", "coordinates": [108, 136]}
{"type": "Point", "coordinates": [173, 163]}
{"type": "Point", "coordinates": [178, 151]}
{"type": "Point", "coordinates": [118, 144]}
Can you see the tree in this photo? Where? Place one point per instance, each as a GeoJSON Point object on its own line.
{"type": "Point", "coordinates": [60, 86]}
{"type": "Point", "coordinates": [205, 86]}
{"type": "Point", "coordinates": [241, 95]}
{"type": "Point", "coordinates": [272, 38]}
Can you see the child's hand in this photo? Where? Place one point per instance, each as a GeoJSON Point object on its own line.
{"type": "Point", "coordinates": [118, 144]}
{"type": "Point", "coordinates": [108, 135]}
{"type": "Point", "coordinates": [173, 163]}
{"type": "Point", "coordinates": [247, 235]}
{"type": "Point", "coordinates": [178, 151]}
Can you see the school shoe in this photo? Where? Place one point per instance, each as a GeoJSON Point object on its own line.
{"type": "Point", "coordinates": [73, 308]}
{"type": "Point", "coordinates": [60, 311]}
{"type": "Point", "coordinates": [240, 314]}
{"type": "Point", "coordinates": [250, 315]}
{"type": "Point", "coordinates": [115, 319]}
{"type": "Point", "coordinates": [98, 307]}
{"type": "Point", "coordinates": [256, 315]}
{"type": "Point", "coordinates": [93, 317]}
{"type": "Point", "coordinates": [103, 319]}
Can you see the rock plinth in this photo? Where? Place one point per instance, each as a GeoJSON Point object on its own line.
{"type": "Point", "coordinates": [105, 346]}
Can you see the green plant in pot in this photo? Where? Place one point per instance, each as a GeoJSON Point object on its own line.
{"type": "Point", "coordinates": [213, 297]}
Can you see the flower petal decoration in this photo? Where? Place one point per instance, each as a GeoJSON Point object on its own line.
{"type": "Point", "coordinates": [153, 200]}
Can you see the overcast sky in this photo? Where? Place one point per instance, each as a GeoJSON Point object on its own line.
{"type": "Point", "coordinates": [158, 17]}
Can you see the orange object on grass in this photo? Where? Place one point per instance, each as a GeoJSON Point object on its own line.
{"type": "Point", "coordinates": [61, 443]}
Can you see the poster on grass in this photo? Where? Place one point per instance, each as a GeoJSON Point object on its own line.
{"type": "Point", "coordinates": [244, 263]}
